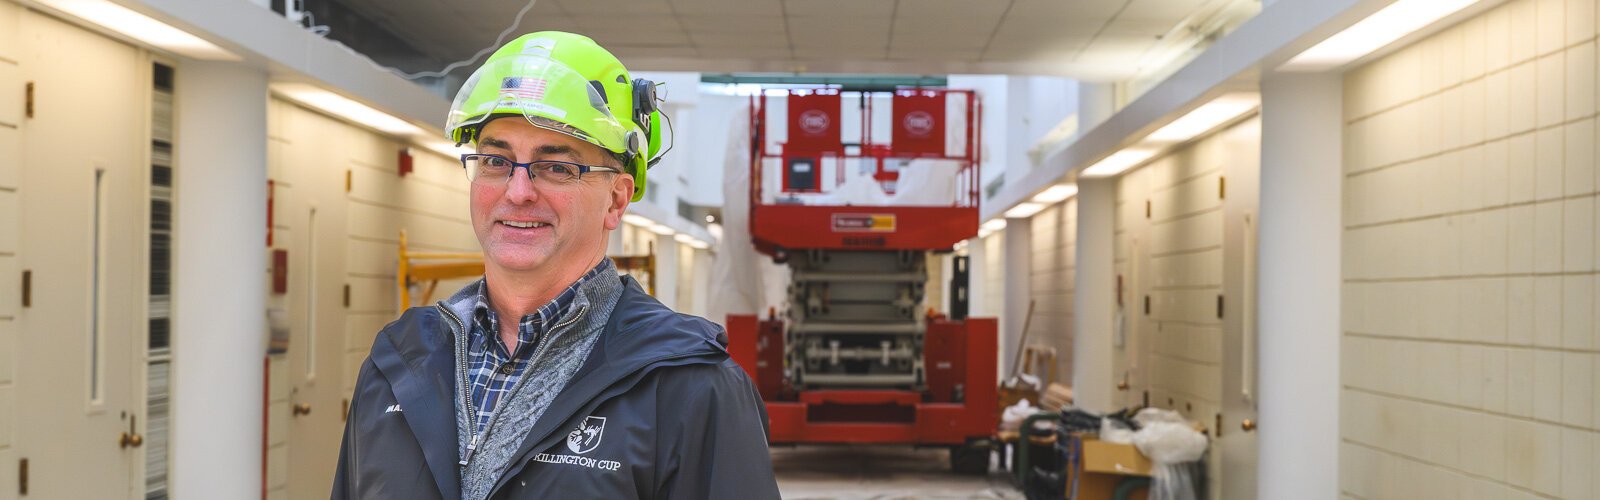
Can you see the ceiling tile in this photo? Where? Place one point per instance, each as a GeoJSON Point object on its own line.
{"type": "Point", "coordinates": [608, 38]}
{"type": "Point", "coordinates": [953, 10]}
{"type": "Point", "coordinates": [840, 8]}
{"type": "Point", "coordinates": [934, 55]}
{"type": "Point", "coordinates": [1161, 9]}
{"type": "Point", "coordinates": [1053, 27]}
{"type": "Point", "coordinates": [727, 7]}
{"type": "Point", "coordinates": [732, 24]}
{"type": "Point", "coordinates": [1059, 9]}
{"type": "Point", "coordinates": [904, 25]}
{"type": "Point", "coordinates": [1140, 27]}
{"type": "Point", "coordinates": [935, 41]}
{"type": "Point", "coordinates": [615, 7]}
{"type": "Point", "coordinates": [737, 40]}
{"type": "Point", "coordinates": [729, 52]}
{"type": "Point", "coordinates": [625, 51]}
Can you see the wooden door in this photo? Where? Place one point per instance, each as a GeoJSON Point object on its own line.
{"type": "Point", "coordinates": [83, 195]}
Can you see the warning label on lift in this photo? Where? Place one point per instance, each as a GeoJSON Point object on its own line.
{"type": "Point", "coordinates": [855, 223]}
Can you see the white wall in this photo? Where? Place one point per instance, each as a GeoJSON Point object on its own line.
{"type": "Point", "coordinates": [10, 219]}
{"type": "Point", "coordinates": [1469, 317]}
{"type": "Point", "coordinates": [309, 155]}
{"type": "Point", "coordinates": [1051, 282]}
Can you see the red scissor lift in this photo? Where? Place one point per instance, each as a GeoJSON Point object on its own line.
{"type": "Point", "coordinates": [857, 357]}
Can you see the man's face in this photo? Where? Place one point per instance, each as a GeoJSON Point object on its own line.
{"type": "Point", "coordinates": [573, 220]}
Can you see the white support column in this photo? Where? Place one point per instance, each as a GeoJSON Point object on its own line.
{"type": "Point", "coordinates": [1094, 296]}
{"type": "Point", "coordinates": [666, 269]}
{"type": "Point", "coordinates": [219, 297]}
{"type": "Point", "coordinates": [1301, 189]}
{"type": "Point", "coordinates": [703, 261]}
{"type": "Point", "coordinates": [1018, 236]}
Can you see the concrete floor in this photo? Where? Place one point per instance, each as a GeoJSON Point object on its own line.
{"type": "Point", "coordinates": [860, 472]}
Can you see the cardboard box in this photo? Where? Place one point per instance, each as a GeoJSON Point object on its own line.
{"type": "Point", "coordinates": [1105, 466]}
{"type": "Point", "coordinates": [1113, 458]}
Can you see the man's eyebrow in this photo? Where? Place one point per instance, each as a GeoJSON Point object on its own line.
{"type": "Point", "coordinates": [558, 149]}
{"type": "Point", "coordinates": [541, 151]}
{"type": "Point", "coordinates": [495, 143]}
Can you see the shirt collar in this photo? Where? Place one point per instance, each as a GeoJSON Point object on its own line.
{"type": "Point", "coordinates": [536, 322]}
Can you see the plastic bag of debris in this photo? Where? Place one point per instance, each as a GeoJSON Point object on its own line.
{"type": "Point", "coordinates": [1012, 418]}
{"type": "Point", "coordinates": [1172, 447]}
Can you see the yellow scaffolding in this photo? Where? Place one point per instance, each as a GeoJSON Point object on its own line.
{"type": "Point", "coordinates": [454, 265]}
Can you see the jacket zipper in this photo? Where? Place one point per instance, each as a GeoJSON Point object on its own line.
{"type": "Point", "coordinates": [472, 411]}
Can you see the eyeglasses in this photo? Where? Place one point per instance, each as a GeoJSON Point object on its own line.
{"type": "Point", "coordinates": [490, 169]}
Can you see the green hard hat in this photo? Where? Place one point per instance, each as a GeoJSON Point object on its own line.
{"type": "Point", "coordinates": [566, 83]}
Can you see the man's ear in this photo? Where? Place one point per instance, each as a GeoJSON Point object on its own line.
{"type": "Point", "coordinates": [621, 194]}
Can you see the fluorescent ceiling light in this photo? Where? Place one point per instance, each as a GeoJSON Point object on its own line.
{"type": "Point", "coordinates": [662, 229]}
{"type": "Point", "coordinates": [1118, 162]}
{"type": "Point", "coordinates": [1023, 210]}
{"type": "Point", "coordinates": [995, 225]}
{"type": "Point", "coordinates": [683, 238]}
{"type": "Point", "coordinates": [984, 233]}
{"type": "Point", "coordinates": [1206, 117]}
{"type": "Point", "coordinates": [699, 245]}
{"type": "Point", "coordinates": [638, 220]}
{"type": "Point", "coordinates": [715, 230]}
{"type": "Point", "coordinates": [143, 28]}
{"type": "Point", "coordinates": [1056, 193]}
{"type": "Point", "coordinates": [1377, 30]}
{"type": "Point", "coordinates": [343, 107]}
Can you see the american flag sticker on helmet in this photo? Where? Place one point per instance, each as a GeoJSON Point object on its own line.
{"type": "Point", "coordinates": [523, 87]}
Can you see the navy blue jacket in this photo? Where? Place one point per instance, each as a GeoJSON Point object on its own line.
{"type": "Point", "coordinates": [658, 411]}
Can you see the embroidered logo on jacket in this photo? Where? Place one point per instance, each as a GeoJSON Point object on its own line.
{"type": "Point", "coordinates": [587, 436]}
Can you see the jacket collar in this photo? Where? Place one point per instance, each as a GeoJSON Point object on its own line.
{"type": "Point", "coordinates": [418, 358]}
{"type": "Point", "coordinates": [415, 356]}
{"type": "Point", "coordinates": [641, 334]}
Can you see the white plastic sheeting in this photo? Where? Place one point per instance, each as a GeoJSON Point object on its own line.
{"type": "Point", "coordinates": [742, 280]}
{"type": "Point", "coordinates": [928, 182]}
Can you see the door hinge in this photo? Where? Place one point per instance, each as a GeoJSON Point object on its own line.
{"type": "Point", "coordinates": [348, 181]}
{"type": "Point", "coordinates": [27, 288]}
{"type": "Point", "coordinates": [1146, 209]}
{"type": "Point", "coordinates": [1219, 307]}
{"type": "Point", "coordinates": [1222, 187]}
{"type": "Point", "coordinates": [22, 477]}
{"type": "Point", "coordinates": [344, 412]}
{"type": "Point", "coordinates": [346, 295]}
{"type": "Point", "coordinates": [1147, 305]}
{"type": "Point", "coordinates": [28, 101]}
{"type": "Point", "coordinates": [1219, 425]}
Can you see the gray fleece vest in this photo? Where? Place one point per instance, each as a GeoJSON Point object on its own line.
{"type": "Point", "coordinates": [569, 345]}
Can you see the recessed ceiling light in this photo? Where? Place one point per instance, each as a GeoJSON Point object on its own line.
{"type": "Point", "coordinates": [1376, 31]}
{"type": "Point", "coordinates": [1207, 117]}
{"type": "Point", "coordinates": [1056, 193]}
{"type": "Point", "coordinates": [1118, 162]}
{"type": "Point", "coordinates": [143, 28]}
{"type": "Point", "coordinates": [346, 108]}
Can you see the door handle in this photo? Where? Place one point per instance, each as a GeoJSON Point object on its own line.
{"type": "Point", "coordinates": [131, 438]}
{"type": "Point", "coordinates": [301, 409]}
{"type": "Point", "coordinates": [1248, 425]}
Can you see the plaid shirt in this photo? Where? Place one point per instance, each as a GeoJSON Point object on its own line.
{"type": "Point", "coordinates": [492, 371]}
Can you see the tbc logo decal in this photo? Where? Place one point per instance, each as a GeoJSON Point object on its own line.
{"type": "Point", "coordinates": [918, 123]}
{"type": "Point", "coordinates": [587, 435]}
{"type": "Point", "coordinates": [814, 122]}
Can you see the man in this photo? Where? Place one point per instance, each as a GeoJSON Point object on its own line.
{"type": "Point", "coordinates": [553, 377]}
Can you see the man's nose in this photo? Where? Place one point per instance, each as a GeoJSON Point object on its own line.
{"type": "Point", "coordinates": [520, 188]}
